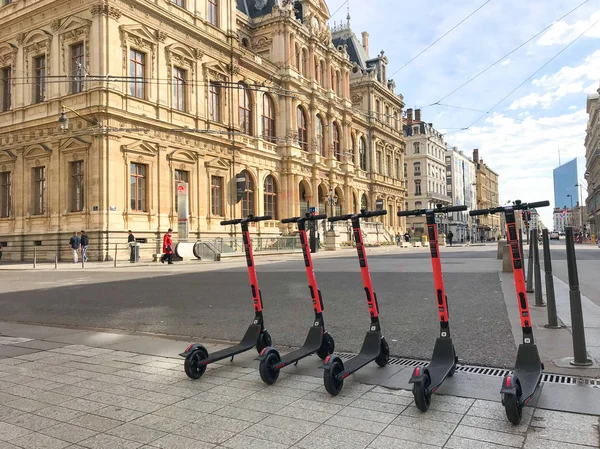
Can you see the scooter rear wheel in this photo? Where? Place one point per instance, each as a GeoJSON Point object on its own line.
{"type": "Point", "coordinates": [333, 384]}
{"type": "Point", "coordinates": [384, 353]}
{"type": "Point", "coordinates": [264, 340]}
{"type": "Point", "coordinates": [327, 346]}
{"type": "Point", "coordinates": [513, 407]}
{"type": "Point", "coordinates": [268, 373]}
{"type": "Point", "coordinates": [422, 398]}
{"type": "Point", "coordinates": [192, 366]}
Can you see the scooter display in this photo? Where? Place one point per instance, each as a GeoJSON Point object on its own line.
{"type": "Point", "coordinates": [374, 346]}
{"type": "Point", "coordinates": [196, 356]}
{"type": "Point", "coordinates": [318, 340]}
{"type": "Point", "coordinates": [521, 384]}
{"type": "Point", "coordinates": [426, 380]}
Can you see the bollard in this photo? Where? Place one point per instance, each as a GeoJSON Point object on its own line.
{"type": "Point", "coordinates": [529, 288]}
{"type": "Point", "coordinates": [82, 261]}
{"type": "Point", "coordinates": [115, 255]}
{"type": "Point", "coordinates": [521, 249]}
{"type": "Point", "coordinates": [550, 298]}
{"type": "Point", "coordinates": [56, 259]}
{"type": "Point", "coordinates": [34, 256]}
{"type": "Point", "coordinates": [577, 327]}
{"type": "Point", "coordinates": [539, 300]}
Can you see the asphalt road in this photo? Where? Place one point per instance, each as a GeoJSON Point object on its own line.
{"type": "Point", "coordinates": [216, 305]}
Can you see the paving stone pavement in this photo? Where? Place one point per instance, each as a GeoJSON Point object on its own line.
{"type": "Point", "coordinates": [75, 396]}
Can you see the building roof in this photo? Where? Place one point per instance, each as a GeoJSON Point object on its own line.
{"type": "Point", "coordinates": [355, 50]}
{"type": "Point", "coordinates": [256, 8]}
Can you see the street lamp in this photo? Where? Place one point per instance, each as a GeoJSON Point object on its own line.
{"type": "Point", "coordinates": [571, 197]}
{"type": "Point", "coordinates": [63, 120]}
{"type": "Point", "coordinates": [332, 199]}
{"type": "Point", "coordinates": [579, 186]}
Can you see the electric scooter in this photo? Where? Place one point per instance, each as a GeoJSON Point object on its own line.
{"type": "Point", "coordinates": [520, 385]}
{"type": "Point", "coordinates": [318, 340]}
{"type": "Point", "coordinates": [426, 380]}
{"type": "Point", "coordinates": [374, 346]}
{"type": "Point", "coordinates": [196, 356]}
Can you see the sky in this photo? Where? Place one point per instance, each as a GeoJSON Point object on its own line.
{"type": "Point", "coordinates": [523, 135]}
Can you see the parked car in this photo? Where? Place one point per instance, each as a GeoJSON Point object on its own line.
{"type": "Point", "coordinates": [554, 236]}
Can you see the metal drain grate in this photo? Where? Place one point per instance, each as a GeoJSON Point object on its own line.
{"type": "Point", "coordinates": [486, 371]}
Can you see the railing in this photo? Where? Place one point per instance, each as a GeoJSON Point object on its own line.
{"type": "Point", "coordinates": [278, 243]}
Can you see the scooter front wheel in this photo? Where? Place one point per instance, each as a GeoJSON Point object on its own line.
{"type": "Point", "coordinates": [422, 397]}
{"type": "Point", "coordinates": [333, 384]}
{"type": "Point", "coordinates": [327, 346]}
{"type": "Point", "coordinates": [513, 407]}
{"type": "Point", "coordinates": [384, 353]}
{"type": "Point", "coordinates": [192, 364]}
{"type": "Point", "coordinates": [264, 340]}
{"type": "Point", "coordinates": [268, 373]}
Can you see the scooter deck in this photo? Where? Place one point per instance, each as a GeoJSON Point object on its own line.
{"type": "Point", "coordinates": [311, 345]}
{"type": "Point", "coordinates": [442, 361]}
{"type": "Point", "coordinates": [369, 352]}
{"type": "Point", "coordinates": [528, 369]}
{"type": "Point", "coordinates": [248, 342]}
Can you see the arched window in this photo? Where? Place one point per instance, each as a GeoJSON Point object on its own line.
{"type": "Point", "coordinates": [268, 118]}
{"type": "Point", "coordinates": [245, 109]}
{"type": "Point", "coordinates": [271, 197]}
{"type": "Point", "coordinates": [302, 129]}
{"type": "Point", "coordinates": [322, 199]}
{"type": "Point", "coordinates": [362, 153]}
{"type": "Point", "coordinates": [418, 205]}
{"type": "Point", "coordinates": [303, 199]}
{"type": "Point", "coordinates": [354, 204]}
{"type": "Point", "coordinates": [364, 203]}
{"type": "Point", "coordinates": [304, 62]}
{"type": "Point", "coordinates": [320, 136]}
{"type": "Point", "coordinates": [337, 152]}
{"type": "Point", "coordinates": [248, 197]}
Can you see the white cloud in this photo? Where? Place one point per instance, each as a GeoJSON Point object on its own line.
{"type": "Point", "coordinates": [505, 62]}
{"type": "Point", "coordinates": [524, 153]}
{"type": "Point", "coordinates": [572, 107]}
{"type": "Point", "coordinates": [568, 80]}
{"type": "Point", "coordinates": [563, 33]}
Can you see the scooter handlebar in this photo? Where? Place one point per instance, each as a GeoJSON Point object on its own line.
{"type": "Point", "coordinates": [363, 214]}
{"type": "Point", "coordinates": [373, 213]}
{"type": "Point", "coordinates": [341, 217]}
{"type": "Point", "coordinates": [253, 219]}
{"type": "Point", "coordinates": [234, 221]}
{"type": "Point", "coordinates": [474, 213]}
{"type": "Point", "coordinates": [437, 210]}
{"type": "Point", "coordinates": [290, 220]}
{"type": "Point", "coordinates": [538, 204]}
{"type": "Point", "coordinates": [518, 206]}
{"type": "Point", "coordinates": [316, 217]}
{"type": "Point", "coordinates": [454, 208]}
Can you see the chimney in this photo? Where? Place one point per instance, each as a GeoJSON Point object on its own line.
{"type": "Point", "coordinates": [409, 117]}
{"type": "Point", "coordinates": [365, 41]}
{"type": "Point", "coordinates": [417, 115]}
{"type": "Point", "coordinates": [475, 156]}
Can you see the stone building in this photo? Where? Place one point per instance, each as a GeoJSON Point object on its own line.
{"type": "Point", "coordinates": [488, 226]}
{"type": "Point", "coordinates": [425, 170]}
{"type": "Point", "coordinates": [592, 163]}
{"type": "Point", "coordinates": [460, 185]}
{"type": "Point", "coordinates": [205, 93]}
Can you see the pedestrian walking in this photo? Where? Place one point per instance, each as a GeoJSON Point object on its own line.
{"type": "Point", "coordinates": [406, 237]}
{"type": "Point", "coordinates": [450, 236]}
{"type": "Point", "coordinates": [167, 247]}
{"type": "Point", "coordinates": [131, 243]}
{"type": "Point", "coordinates": [74, 244]}
{"type": "Point", "coordinates": [84, 242]}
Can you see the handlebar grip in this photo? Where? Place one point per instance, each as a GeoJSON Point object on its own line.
{"type": "Point", "coordinates": [538, 204]}
{"type": "Point", "coordinates": [340, 217]}
{"type": "Point", "coordinates": [290, 220]}
{"type": "Point", "coordinates": [374, 213]}
{"type": "Point", "coordinates": [228, 222]}
{"type": "Point", "coordinates": [317, 217]}
{"type": "Point", "coordinates": [263, 218]}
{"type": "Point", "coordinates": [408, 213]}
{"type": "Point", "coordinates": [473, 213]}
{"type": "Point", "coordinates": [454, 208]}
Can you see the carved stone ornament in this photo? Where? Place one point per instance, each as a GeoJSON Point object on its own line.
{"type": "Point", "coordinates": [20, 38]}
{"type": "Point", "coordinates": [106, 10]}
{"type": "Point", "coordinates": [55, 25]}
{"type": "Point", "coordinates": [162, 36]}
{"type": "Point", "coordinates": [356, 98]}
{"type": "Point", "coordinates": [262, 42]}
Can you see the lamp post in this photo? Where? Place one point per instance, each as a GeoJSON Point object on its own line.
{"type": "Point", "coordinates": [579, 186]}
{"type": "Point", "coordinates": [63, 120]}
{"type": "Point", "coordinates": [332, 199]}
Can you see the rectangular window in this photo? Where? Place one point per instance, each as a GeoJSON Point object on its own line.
{"type": "Point", "coordinates": [214, 99]}
{"type": "Point", "coordinates": [417, 186]}
{"type": "Point", "coordinates": [379, 162]}
{"type": "Point", "coordinates": [213, 12]}
{"type": "Point", "coordinates": [137, 179]}
{"type": "Point", "coordinates": [180, 3]}
{"type": "Point", "coordinates": [181, 177]}
{"type": "Point", "coordinates": [216, 200]}
{"type": "Point", "coordinates": [179, 89]}
{"type": "Point", "coordinates": [137, 72]}
{"type": "Point", "coordinates": [397, 168]}
{"type": "Point", "coordinates": [5, 88]}
{"type": "Point", "coordinates": [77, 67]}
{"type": "Point", "coordinates": [39, 87]}
{"type": "Point", "coordinates": [388, 163]}
{"type": "Point", "coordinates": [5, 194]}
{"type": "Point", "coordinates": [76, 187]}
{"type": "Point", "coordinates": [39, 190]}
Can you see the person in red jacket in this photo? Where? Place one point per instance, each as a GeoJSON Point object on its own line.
{"type": "Point", "coordinates": [167, 247]}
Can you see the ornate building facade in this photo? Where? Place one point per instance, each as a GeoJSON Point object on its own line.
{"type": "Point", "coordinates": [488, 226]}
{"type": "Point", "coordinates": [592, 164]}
{"type": "Point", "coordinates": [158, 94]}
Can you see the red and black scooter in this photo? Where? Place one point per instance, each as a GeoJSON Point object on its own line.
{"type": "Point", "coordinates": [519, 386]}
{"type": "Point", "coordinates": [426, 380]}
{"type": "Point", "coordinates": [318, 340]}
{"type": "Point", "coordinates": [374, 346]}
{"type": "Point", "coordinates": [196, 355]}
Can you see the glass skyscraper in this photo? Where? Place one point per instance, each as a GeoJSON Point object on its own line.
{"type": "Point", "coordinates": [565, 178]}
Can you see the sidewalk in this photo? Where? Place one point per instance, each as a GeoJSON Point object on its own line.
{"type": "Point", "coordinates": [70, 388]}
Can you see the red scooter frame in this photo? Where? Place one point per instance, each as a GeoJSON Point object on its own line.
{"type": "Point", "coordinates": [426, 380]}
{"type": "Point", "coordinates": [318, 340]}
{"type": "Point", "coordinates": [374, 346]}
{"type": "Point", "coordinates": [196, 356]}
{"type": "Point", "coordinates": [519, 386]}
